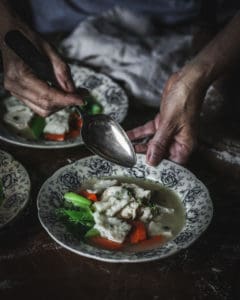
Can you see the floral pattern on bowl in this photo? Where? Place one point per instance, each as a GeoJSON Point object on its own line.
{"type": "Point", "coordinates": [16, 188]}
{"type": "Point", "coordinates": [191, 191]}
{"type": "Point", "coordinates": [108, 93]}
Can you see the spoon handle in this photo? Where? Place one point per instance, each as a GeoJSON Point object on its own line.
{"type": "Point", "coordinates": [24, 48]}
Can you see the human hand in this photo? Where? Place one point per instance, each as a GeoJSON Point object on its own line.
{"type": "Point", "coordinates": [22, 83]}
{"type": "Point", "coordinates": [173, 132]}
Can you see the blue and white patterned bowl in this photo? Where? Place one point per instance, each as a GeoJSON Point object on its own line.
{"type": "Point", "coordinates": [108, 93]}
{"type": "Point", "coordinates": [192, 192]}
{"type": "Point", "coordinates": [16, 188]}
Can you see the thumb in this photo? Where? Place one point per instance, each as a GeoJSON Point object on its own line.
{"type": "Point", "coordinates": [158, 146]}
{"type": "Point", "coordinates": [60, 67]}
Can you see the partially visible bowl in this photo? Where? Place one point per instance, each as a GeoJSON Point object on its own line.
{"type": "Point", "coordinates": [16, 188]}
{"type": "Point", "coordinates": [109, 94]}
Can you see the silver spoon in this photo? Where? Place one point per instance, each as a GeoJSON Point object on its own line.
{"type": "Point", "coordinates": [100, 133]}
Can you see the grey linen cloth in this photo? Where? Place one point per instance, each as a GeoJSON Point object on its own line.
{"type": "Point", "coordinates": [127, 47]}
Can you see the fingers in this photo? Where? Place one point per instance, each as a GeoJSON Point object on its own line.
{"type": "Point", "coordinates": [50, 96]}
{"type": "Point", "coordinates": [179, 153]}
{"type": "Point", "coordinates": [177, 148]}
{"type": "Point", "coordinates": [61, 69]}
{"type": "Point", "coordinates": [40, 94]}
{"type": "Point", "coordinates": [182, 146]}
{"type": "Point", "coordinates": [142, 131]}
{"type": "Point", "coordinates": [141, 148]}
{"type": "Point", "coordinates": [176, 145]}
{"type": "Point", "coordinates": [158, 146]}
{"type": "Point", "coordinates": [41, 112]}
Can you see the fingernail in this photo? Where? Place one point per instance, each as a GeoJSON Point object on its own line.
{"type": "Point", "coordinates": [150, 157]}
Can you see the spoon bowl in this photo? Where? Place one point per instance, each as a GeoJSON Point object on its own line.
{"type": "Point", "coordinates": [105, 137]}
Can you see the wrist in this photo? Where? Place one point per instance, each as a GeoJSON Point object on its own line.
{"type": "Point", "coordinates": [197, 75]}
{"type": "Point", "coordinates": [194, 80]}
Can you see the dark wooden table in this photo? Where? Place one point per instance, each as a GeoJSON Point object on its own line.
{"type": "Point", "coordinates": [33, 266]}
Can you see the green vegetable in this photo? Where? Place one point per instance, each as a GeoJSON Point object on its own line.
{"type": "Point", "coordinates": [92, 232]}
{"type": "Point", "coordinates": [77, 217]}
{"type": "Point", "coordinates": [77, 200]}
{"type": "Point", "coordinates": [1, 192]}
{"type": "Point", "coordinates": [37, 125]}
{"type": "Point", "coordinates": [92, 106]}
{"type": "Point", "coordinates": [95, 108]}
{"type": "Point", "coordinates": [83, 217]}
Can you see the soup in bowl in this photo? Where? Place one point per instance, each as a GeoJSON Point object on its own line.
{"type": "Point", "coordinates": [107, 212]}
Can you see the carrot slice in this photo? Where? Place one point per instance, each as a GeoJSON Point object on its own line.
{"type": "Point", "coordinates": [90, 196]}
{"type": "Point", "coordinates": [75, 121]}
{"type": "Point", "coordinates": [153, 241]}
{"type": "Point", "coordinates": [148, 244]}
{"type": "Point", "coordinates": [79, 122]}
{"type": "Point", "coordinates": [72, 134]}
{"type": "Point", "coordinates": [138, 233]}
{"type": "Point", "coordinates": [54, 137]}
{"type": "Point", "coordinates": [104, 243]}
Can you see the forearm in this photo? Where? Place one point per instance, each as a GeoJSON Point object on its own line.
{"type": "Point", "coordinates": [218, 57]}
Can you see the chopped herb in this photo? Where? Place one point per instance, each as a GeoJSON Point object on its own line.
{"type": "Point", "coordinates": [155, 209]}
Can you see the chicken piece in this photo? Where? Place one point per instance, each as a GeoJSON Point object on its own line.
{"type": "Point", "coordinates": [158, 211]}
{"type": "Point", "coordinates": [129, 212]}
{"type": "Point", "coordinates": [111, 228]}
{"type": "Point", "coordinates": [138, 192]}
{"type": "Point", "coordinates": [19, 119]}
{"type": "Point", "coordinates": [165, 210]}
{"type": "Point", "coordinates": [101, 185]}
{"type": "Point", "coordinates": [157, 228]}
{"type": "Point", "coordinates": [157, 218]}
{"type": "Point", "coordinates": [113, 200]}
{"type": "Point", "coordinates": [12, 104]}
{"type": "Point", "coordinates": [146, 214]}
{"type": "Point", "coordinates": [57, 123]}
